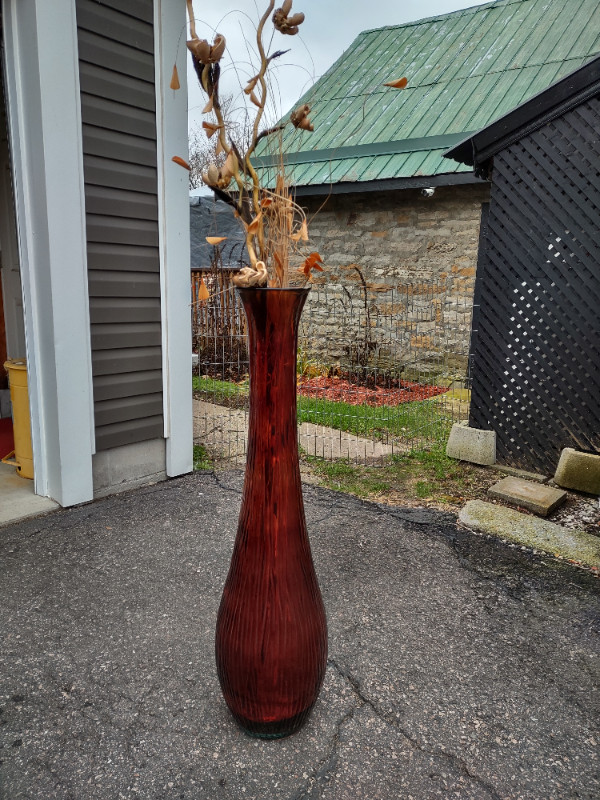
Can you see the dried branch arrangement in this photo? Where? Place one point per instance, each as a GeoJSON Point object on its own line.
{"type": "Point", "coordinates": [275, 226]}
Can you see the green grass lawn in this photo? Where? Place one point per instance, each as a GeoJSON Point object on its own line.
{"type": "Point", "coordinates": [415, 420]}
{"type": "Point", "coordinates": [426, 474]}
{"type": "Point", "coordinates": [219, 392]}
{"type": "Point", "coordinates": [202, 459]}
{"type": "Point", "coordinates": [408, 421]}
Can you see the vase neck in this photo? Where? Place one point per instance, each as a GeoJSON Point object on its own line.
{"type": "Point", "coordinates": [273, 316]}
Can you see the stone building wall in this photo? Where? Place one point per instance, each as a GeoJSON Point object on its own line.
{"type": "Point", "coordinates": [398, 237]}
{"type": "Point", "coordinates": [397, 290]}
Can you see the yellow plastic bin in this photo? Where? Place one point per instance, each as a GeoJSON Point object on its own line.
{"type": "Point", "coordinates": [19, 397]}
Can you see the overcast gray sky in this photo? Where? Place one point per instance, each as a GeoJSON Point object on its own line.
{"type": "Point", "coordinates": [329, 29]}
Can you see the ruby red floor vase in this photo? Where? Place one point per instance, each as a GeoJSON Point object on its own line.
{"type": "Point", "coordinates": [271, 637]}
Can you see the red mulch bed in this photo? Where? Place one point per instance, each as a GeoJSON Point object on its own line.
{"type": "Point", "coordinates": [344, 391]}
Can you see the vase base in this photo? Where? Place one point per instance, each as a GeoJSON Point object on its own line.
{"type": "Point", "coordinates": [273, 730]}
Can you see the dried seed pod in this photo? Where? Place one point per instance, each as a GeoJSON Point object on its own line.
{"type": "Point", "coordinates": [216, 178]}
{"type": "Point", "coordinates": [199, 48]}
{"type": "Point", "coordinates": [218, 48]}
{"type": "Point", "coordinates": [206, 53]}
{"type": "Point", "coordinates": [213, 174]}
{"type": "Point", "coordinates": [299, 118]}
{"type": "Point", "coordinates": [248, 276]}
{"type": "Point", "coordinates": [284, 23]}
{"type": "Point", "coordinates": [261, 273]}
{"type": "Point", "coordinates": [204, 75]}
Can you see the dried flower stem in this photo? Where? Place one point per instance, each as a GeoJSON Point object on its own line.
{"type": "Point", "coordinates": [192, 19]}
{"type": "Point", "coordinates": [275, 226]}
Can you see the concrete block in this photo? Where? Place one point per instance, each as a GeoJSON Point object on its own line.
{"type": "Point", "coordinates": [579, 471]}
{"type": "Point", "coordinates": [536, 497]}
{"type": "Point", "coordinates": [541, 534]}
{"type": "Point", "coordinates": [129, 466]}
{"type": "Point", "coordinates": [471, 444]}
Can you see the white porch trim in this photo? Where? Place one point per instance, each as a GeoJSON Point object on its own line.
{"type": "Point", "coordinates": [174, 232]}
{"type": "Point", "coordinates": [46, 145]}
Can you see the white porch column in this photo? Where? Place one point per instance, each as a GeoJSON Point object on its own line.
{"type": "Point", "coordinates": [174, 228]}
{"type": "Point", "coordinates": [45, 127]}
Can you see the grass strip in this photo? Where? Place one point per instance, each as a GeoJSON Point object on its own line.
{"type": "Point", "coordinates": [419, 419]}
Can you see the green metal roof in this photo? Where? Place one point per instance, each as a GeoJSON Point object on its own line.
{"type": "Point", "coordinates": [464, 70]}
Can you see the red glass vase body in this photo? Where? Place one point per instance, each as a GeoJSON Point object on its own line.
{"type": "Point", "coordinates": [271, 637]}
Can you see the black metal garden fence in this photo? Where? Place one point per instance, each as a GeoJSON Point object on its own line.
{"type": "Point", "coordinates": [380, 371]}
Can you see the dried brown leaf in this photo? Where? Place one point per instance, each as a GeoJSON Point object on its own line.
{"type": "Point", "coordinates": [175, 78]}
{"type": "Point", "coordinates": [210, 128]}
{"type": "Point", "coordinates": [255, 224]}
{"type": "Point", "coordinates": [203, 293]}
{"type": "Point", "coordinates": [181, 162]}
{"type": "Point", "coordinates": [400, 83]}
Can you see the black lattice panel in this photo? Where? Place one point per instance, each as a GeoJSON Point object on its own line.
{"type": "Point", "coordinates": [536, 353]}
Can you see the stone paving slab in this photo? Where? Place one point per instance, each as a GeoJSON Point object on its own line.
{"type": "Point", "coordinates": [536, 497]}
{"type": "Point", "coordinates": [520, 473]}
{"type": "Point", "coordinates": [541, 534]}
{"type": "Point", "coordinates": [224, 431]}
{"type": "Point", "coordinates": [458, 667]}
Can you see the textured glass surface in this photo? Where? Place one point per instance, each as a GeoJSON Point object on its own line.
{"type": "Point", "coordinates": [271, 638]}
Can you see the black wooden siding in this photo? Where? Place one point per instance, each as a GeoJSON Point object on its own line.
{"type": "Point", "coordinates": [116, 68]}
{"type": "Point", "coordinates": [536, 349]}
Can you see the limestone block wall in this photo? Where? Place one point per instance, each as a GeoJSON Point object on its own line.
{"type": "Point", "coordinates": [398, 237]}
{"type": "Point", "coordinates": [399, 279]}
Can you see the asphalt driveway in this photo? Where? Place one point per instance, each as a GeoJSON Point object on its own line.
{"type": "Point", "coordinates": [459, 667]}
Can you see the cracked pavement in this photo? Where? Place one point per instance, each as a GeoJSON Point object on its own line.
{"type": "Point", "coordinates": [459, 667]}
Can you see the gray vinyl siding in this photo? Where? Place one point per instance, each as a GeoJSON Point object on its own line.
{"type": "Point", "coordinates": [116, 71]}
